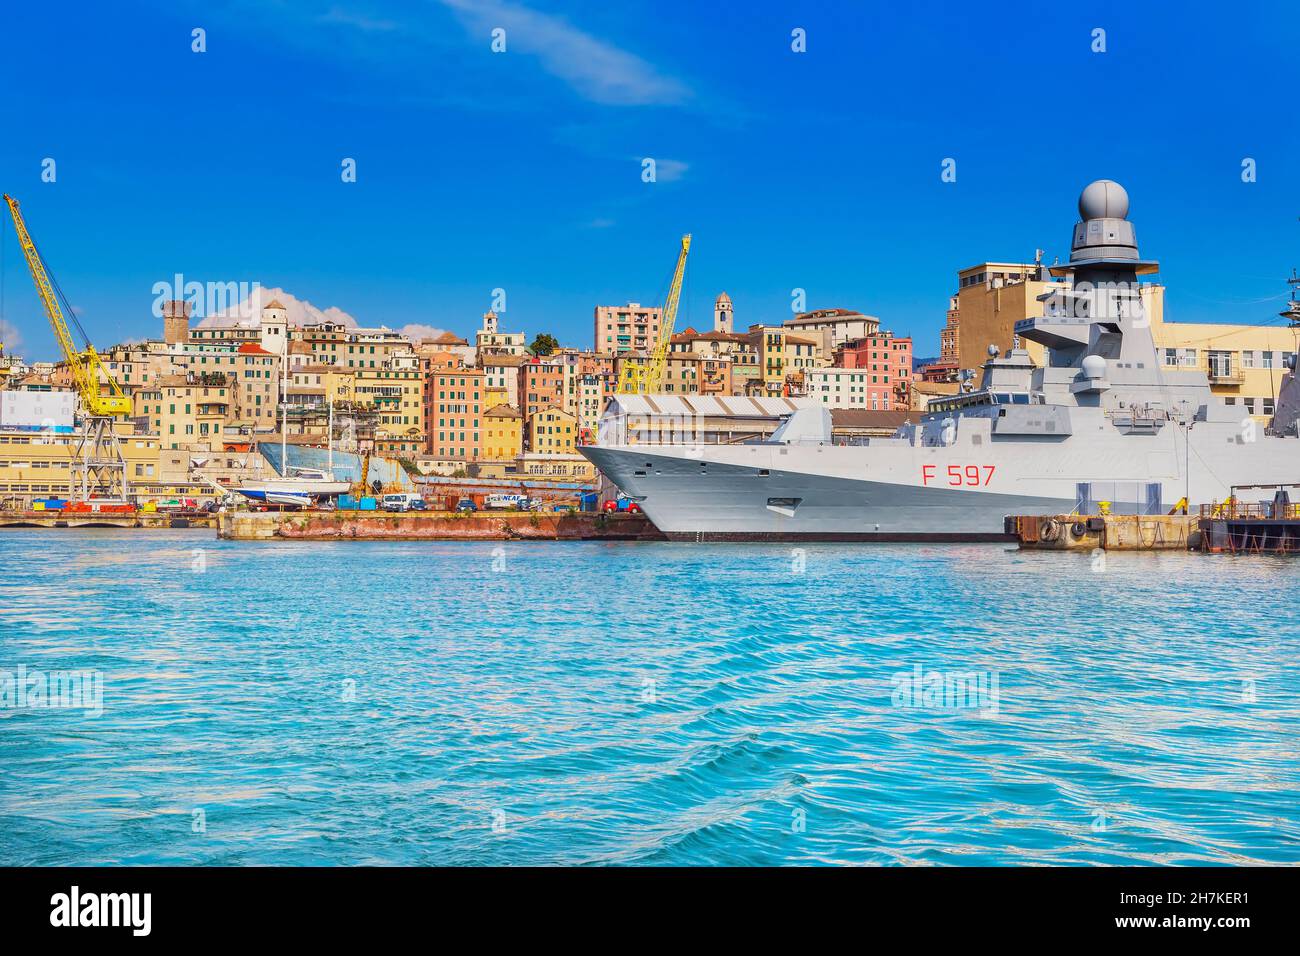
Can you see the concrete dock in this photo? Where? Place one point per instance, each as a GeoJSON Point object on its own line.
{"type": "Point", "coordinates": [1108, 532]}
{"type": "Point", "coordinates": [86, 519]}
{"type": "Point", "coordinates": [434, 526]}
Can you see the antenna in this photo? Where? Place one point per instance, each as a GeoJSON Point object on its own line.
{"type": "Point", "coordinates": [1292, 313]}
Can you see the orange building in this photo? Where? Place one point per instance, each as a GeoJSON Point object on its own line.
{"type": "Point", "coordinates": [454, 427]}
{"type": "Point", "coordinates": [541, 383]}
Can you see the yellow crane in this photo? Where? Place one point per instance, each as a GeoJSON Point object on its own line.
{"type": "Point", "coordinates": [98, 469]}
{"type": "Point", "coordinates": [646, 377]}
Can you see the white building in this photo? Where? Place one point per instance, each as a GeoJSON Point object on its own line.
{"type": "Point", "coordinates": [490, 340]}
{"type": "Point", "coordinates": [843, 388]}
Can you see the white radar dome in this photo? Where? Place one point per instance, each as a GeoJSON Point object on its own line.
{"type": "Point", "coordinates": [1103, 199]}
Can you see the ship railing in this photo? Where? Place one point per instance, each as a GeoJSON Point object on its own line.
{"type": "Point", "coordinates": [1245, 510]}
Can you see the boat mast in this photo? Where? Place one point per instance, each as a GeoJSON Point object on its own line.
{"type": "Point", "coordinates": [284, 405]}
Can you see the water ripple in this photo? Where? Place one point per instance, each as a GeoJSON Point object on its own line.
{"type": "Point", "coordinates": [602, 703]}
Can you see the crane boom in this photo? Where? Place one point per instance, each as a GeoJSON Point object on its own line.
{"type": "Point", "coordinates": [87, 370]}
{"type": "Point", "coordinates": [646, 378]}
{"type": "Point", "coordinates": [98, 471]}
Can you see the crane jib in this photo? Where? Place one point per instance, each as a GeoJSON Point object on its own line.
{"type": "Point", "coordinates": [645, 375]}
{"type": "Point", "coordinates": [87, 369]}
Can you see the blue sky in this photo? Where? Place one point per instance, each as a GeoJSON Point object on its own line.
{"type": "Point", "coordinates": [522, 170]}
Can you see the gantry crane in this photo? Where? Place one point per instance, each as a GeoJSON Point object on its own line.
{"type": "Point", "coordinates": [98, 469]}
{"type": "Point", "coordinates": [646, 377]}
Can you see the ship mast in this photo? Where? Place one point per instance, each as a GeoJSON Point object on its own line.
{"type": "Point", "coordinates": [1292, 313]}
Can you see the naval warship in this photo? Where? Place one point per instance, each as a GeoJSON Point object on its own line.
{"type": "Point", "coordinates": [1100, 424]}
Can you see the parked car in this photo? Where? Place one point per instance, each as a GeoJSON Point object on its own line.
{"type": "Point", "coordinates": [418, 504]}
{"type": "Point", "coordinates": [626, 505]}
{"type": "Point", "coordinates": [465, 504]}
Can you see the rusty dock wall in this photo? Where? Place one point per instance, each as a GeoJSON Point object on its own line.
{"type": "Point", "coordinates": [433, 526]}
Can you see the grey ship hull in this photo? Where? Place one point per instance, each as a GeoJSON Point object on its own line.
{"type": "Point", "coordinates": [894, 490]}
{"type": "Point", "coordinates": [731, 504]}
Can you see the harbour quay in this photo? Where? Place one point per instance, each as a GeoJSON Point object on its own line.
{"type": "Point", "coordinates": [1229, 527]}
{"type": "Point", "coordinates": [345, 525]}
{"type": "Point", "coordinates": [1125, 532]}
{"type": "Point", "coordinates": [96, 519]}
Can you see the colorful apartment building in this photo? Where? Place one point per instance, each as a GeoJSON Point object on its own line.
{"type": "Point", "coordinates": [333, 343]}
{"type": "Point", "coordinates": [501, 379]}
{"type": "Point", "coordinates": [1244, 363]}
{"type": "Point", "coordinates": [626, 328]}
{"type": "Point", "coordinates": [503, 433]}
{"type": "Point", "coordinates": [541, 383]}
{"type": "Point", "coordinates": [846, 388]}
{"type": "Point", "coordinates": [397, 395]}
{"type": "Point", "coordinates": [552, 431]}
{"type": "Point", "coordinates": [188, 410]}
{"type": "Point", "coordinates": [454, 429]}
{"type": "Point", "coordinates": [781, 355]}
{"type": "Point", "coordinates": [886, 361]}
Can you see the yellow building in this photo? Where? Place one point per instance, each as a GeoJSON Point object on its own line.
{"type": "Point", "coordinates": [398, 396]}
{"type": "Point", "coordinates": [35, 464]}
{"type": "Point", "coordinates": [189, 410]}
{"type": "Point", "coordinates": [544, 467]}
{"type": "Point", "coordinates": [782, 354]}
{"type": "Point", "coordinates": [552, 431]}
{"type": "Point", "coordinates": [503, 433]}
{"type": "Point", "coordinates": [991, 298]}
{"type": "Point", "coordinates": [1244, 363]}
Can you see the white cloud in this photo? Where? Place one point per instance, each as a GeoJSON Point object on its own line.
{"type": "Point", "coordinates": [670, 170]}
{"type": "Point", "coordinates": [595, 69]}
{"type": "Point", "coordinates": [417, 331]}
{"type": "Point", "coordinates": [300, 311]}
{"type": "Point", "coordinates": [10, 337]}
{"type": "Point", "coordinates": [361, 21]}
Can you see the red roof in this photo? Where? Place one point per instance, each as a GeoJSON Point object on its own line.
{"type": "Point", "coordinates": [252, 348]}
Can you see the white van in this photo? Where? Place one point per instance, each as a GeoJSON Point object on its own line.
{"type": "Point", "coordinates": [402, 502]}
{"type": "Point", "coordinates": [505, 502]}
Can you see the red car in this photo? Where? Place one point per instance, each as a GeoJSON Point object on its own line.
{"type": "Point", "coordinates": [623, 504]}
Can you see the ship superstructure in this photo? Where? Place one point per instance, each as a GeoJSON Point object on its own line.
{"type": "Point", "coordinates": [1101, 420]}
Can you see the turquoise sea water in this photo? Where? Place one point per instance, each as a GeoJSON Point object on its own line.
{"type": "Point", "coordinates": [588, 703]}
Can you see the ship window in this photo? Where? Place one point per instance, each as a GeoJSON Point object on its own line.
{"type": "Point", "coordinates": [763, 473]}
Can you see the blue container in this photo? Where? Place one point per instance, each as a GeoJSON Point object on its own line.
{"type": "Point", "coordinates": [351, 503]}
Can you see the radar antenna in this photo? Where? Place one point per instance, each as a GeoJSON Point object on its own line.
{"type": "Point", "coordinates": [1292, 313]}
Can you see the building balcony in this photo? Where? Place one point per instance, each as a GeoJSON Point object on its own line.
{"type": "Point", "coordinates": [1224, 376]}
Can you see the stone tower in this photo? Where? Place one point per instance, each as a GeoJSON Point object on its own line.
{"type": "Point", "coordinates": [722, 317]}
{"type": "Point", "coordinates": [176, 322]}
{"type": "Point", "coordinates": [275, 327]}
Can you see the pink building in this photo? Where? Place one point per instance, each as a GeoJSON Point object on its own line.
{"type": "Point", "coordinates": [886, 363]}
{"type": "Point", "coordinates": [626, 328]}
